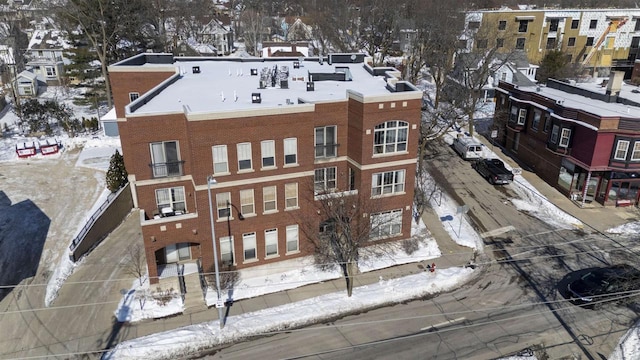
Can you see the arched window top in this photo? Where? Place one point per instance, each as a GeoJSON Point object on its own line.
{"type": "Point", "coordinates": [390, 137]}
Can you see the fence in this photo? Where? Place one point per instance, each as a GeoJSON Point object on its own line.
{"type": "Point", "coordinates": [203, 280]}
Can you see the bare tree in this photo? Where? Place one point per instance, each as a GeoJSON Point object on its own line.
{"type": "Point", "coordinates": [229, 277]}
{"type": "Point", "coordinates": [135, 263]}
{"type": "Point", "coordinates": [378, 27]}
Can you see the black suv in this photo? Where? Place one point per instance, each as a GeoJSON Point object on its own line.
{"type": "Point", "coordinates": [616, 282]}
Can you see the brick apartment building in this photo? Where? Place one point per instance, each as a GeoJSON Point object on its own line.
{"type": "Point", "coordinates": [573, 135]}
{"type": "Point", "coordinates": [272, 133]}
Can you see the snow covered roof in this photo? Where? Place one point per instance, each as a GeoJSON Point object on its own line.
{"type": "Point", "coordinates": [225, 85]}
{"type": "Point", "coordinates": [48, 39]}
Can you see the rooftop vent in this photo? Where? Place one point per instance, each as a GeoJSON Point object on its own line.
{"type": "Point", "coordinates": [196, 69]}
{"type": "Point", "coordinates": [311, 86]}
{"type": "Point", "coordinates": [256, 98]}
{"type": "Point", "coordinates": [254, 72]}
{"type": "Point", "coordinates": [284, 84]}
{"type": "Point", "coordinates": [296, 65]}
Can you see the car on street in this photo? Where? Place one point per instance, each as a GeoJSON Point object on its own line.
{"type": "Point", "coordinates": [617, 282]}
{"type": "Point", "coordinates": [494, 171]}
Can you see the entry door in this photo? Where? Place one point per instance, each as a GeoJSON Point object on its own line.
{"type": "Point", "coordinates": [183, 251]}
{"type": "Point", "coordinates": [171, 252]}
{"type": "Point", "coordinates": [592, 187]}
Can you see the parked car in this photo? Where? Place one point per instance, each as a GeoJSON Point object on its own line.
{"type": "Point", "coordinates": [468, 147]}
{"type": "Point", "coordinates": [494, 171]}
{"type": "Point", "coordinates": [604, 284]}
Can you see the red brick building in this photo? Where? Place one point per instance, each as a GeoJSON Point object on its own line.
{"type": "Point", "coordinates": [582, 139]}
{"type": "Point", "coordinates": [272, 134]}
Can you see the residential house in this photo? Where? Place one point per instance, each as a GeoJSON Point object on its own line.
{"type": "Point", "coordinates": [285, 49]}
{"type": "Point", "coordinates": [45, 55]}
{"type": "Point", "coordinates": [265, 138]}
{"type": "Point", "coordinates": [217, 34]}
{"type": "Point", "coordinates": [27, 84]}
{"type": "Point", "coordinates": [582, 139]}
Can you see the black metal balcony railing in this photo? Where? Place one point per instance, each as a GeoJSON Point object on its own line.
{"type": "Point", "coordinates": [326, 150]}
{"type": "Point", "coordinates": [167, 169]}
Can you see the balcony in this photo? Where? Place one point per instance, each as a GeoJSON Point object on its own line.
{"type": "Point", "coordinates": [167, 169]}
{"type": "Point", "coordinates": [326, 151]}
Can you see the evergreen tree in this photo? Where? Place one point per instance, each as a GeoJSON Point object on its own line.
{"type": "Point", "coordinates": [117, 174]}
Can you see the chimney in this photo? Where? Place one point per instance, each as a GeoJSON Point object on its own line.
{"type": "Point", "coordinates": [614, 85]}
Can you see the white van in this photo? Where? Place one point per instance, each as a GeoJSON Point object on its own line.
{"type": "Point", "coordinates": [468, 147]}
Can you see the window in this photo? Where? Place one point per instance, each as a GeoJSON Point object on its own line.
{"type": "Point", "coordinates": [520, 43]}
{"type": "Point", "coordinates": [324, 179]}
{"type": "Point", "coordinates": [269, 198]}
{"type": "Point", "coordinates": [502, 25]}
{"type": "Point", "coordinates": [564, 137]}
{"type": "Point", "coordinates": [551, 43]}
{"type": "Point", "coordinates": [50, 70]}
{"type": "Point", "coordinates": [621, 150]}
{"type": "Point", "coordinates": [635, 42]}
{"type": "Point", "coordinates": [522, 116]}
{"type": "Point", "coordinates": [268, 153]}
{"type": "Point", "coordinates": [474, 24]}
{"type": "Point", "coordinates": [172, 198]}
{"type": "Point", "coordinates": [133, 96]}
{"type": "Point", "coordinates": [220, 160]}
{"type": "Point", "coordinates": [389, 182]}
{"type": "Point", "coordinates": [635, 154]}
{"type": "Point", "coordinates": [352, 180]}
{"type": "Point", "coordinates": [222, 199]}
{"type": "Point", "coordinates": [390, 137]}
{"type": "Point", "coordinates": [482, 43]}
{"type": "Point", "coordinates": [574, 24]}
{"type": "Point", "coordinates": [522, 27]}
{"type": "Point", "coordinates": [165, 159]}
{"type": "Point", "coordinates": [637, 25]}
{"type": "Point", "coordinates": [571, 41]}
{"type": "Point", "coordinates": [513, 114]}
{"type": "Point", "coordinates": [553, 24]}
{"type": "Point", "coordinates": [593, 24]}
{"type": "Point", "coordinates": [291, 195]}
{"type": "Point", "coordinates": [325, 140]}
{"type": "Point", "coordinates": [292, 238]}
{"type": "Point", "coordinates": [226, 250]}
{"type": "Point", "coordinates": [290, 151]}
{"type": "Point", "coordinates": [249, 246]}
{"type": "Point", "coordinates": [386, 224]}
{"type": "Point", "coordinates": [499, 42]}
{"type": "Point", "coordinates": [244, 156]}
{"type": "Point", "coordinates": [462, 44]}
{"type": "Point", "coordinates": [554, 134]}
{"type": "Point", "coordinates": [536, 119]}
{"type": "Point", "coordinates": [246, 202]}
{"type": "Point", "coordinates": [271, 242]}
{"type": "Point", "coordinates": [589, 41]}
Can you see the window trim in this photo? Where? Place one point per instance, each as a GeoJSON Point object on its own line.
{"type": "Point", "coordinates": [324, 149]}
{"type": "Point", "coordinates": [268, 151]}
{"type": "Point", "coordinates": [244, 196]}
{"type": "Point", "coordinates": [619, 144]}
{"type": "Point", "coordinates": [222, 210]}
{"type": "Point", "coordinates": [292, 235]}
{"type": "Point", "coordinates": [388, 183]}
{"type": "Point", "coordinates": [269, 239]}
{"type": "Point", "coordinates": [565, 137]}
{"type": "Point", "coordinates": [325, 181]}
{"type": "Point", "coordinates": [290, 149]}
{"type": "Point", "coordinates": [251, 239]}
{"type": "Point", "coordinates": [165, 161]}
{"type": "Point", "coordinates": [218, 159]}
{"type": "Point", "coordinates": [222, 240]}
{"type": "Point", "coordinates": [394, 128]}
{"type": "Point", "coordinates": [635, 152]}
{"type": "Point", "coordinates": [266, 200]}
{"type": "Point", "coordinates": [394, 222]}
{"type": "Point", "coordinates": [522, 116]}
{"type": "Point", "coordinates": [244, 154]}
{"type": "Point", "coordinates": [172, 199]}
{"type": "Point", "coordinates": [133, 96]}
{"type": "Point", "coordinates": [288, 197]}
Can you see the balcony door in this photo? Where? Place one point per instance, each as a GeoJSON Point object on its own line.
{"type": "Point", "coordinates": [165, 158]}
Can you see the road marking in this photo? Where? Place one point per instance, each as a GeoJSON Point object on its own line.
{"type": "Point", "coordinates": [448, 322]}
{"type": "Point", "coordinates": [499, 231]}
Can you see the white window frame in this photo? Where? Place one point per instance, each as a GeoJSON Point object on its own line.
{"type": "Point", "coordinates": [247, 202]}
{"type": "Point", "coordinates": [325, 179]}
{"type": "Point", "coordinates": [290, 151]}
{"type": "Point", "coordinates": [220, 159]}
{"type": "Point", "coordinates": [635, 153]}
{"type": "Point", "coordinates": [269, 199]}
{"type": "Point", "coordinates": [268, 148]}
{"type": "Point", "coordinates": [565, 136]}
{"type": "Point", "coordinates": [522, 116]}
{"type": "Point", "coordinates": [293, 243]}
{"type": "Point", "coordinates": [223, 211]}
{"type": "Point", "coordinates": [326, 141]}
{"type": "Point", "coordinates": [390, 137]}
{"type": "Point", "coordinates": [386, 224]}
{"type": "Point", "coordinates": [244, 156]}
{"type": "Point", "coordinates": [622, 148]}
{"type": "Point", "coordinates": [171, 197]}
{"type": "Point", "coordinates": [161, 158]}
{"type": "Point", "coordinates": [249, 244]}
{"type": "Point", "coordinates": [271, 243]}
{"type": "Point", "coordinates": [226, 248]}
{"type": "Point", "coordinates": [133, 96]}
{"type": "Point", "coordinates": [50, 71]}
{"type": "Point", "coordinates": [387, 183]}
{"type": "Point", "coordinates": [291, 196]}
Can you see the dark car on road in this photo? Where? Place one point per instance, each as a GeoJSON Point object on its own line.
{"type": "Point", "coordinates": [618, 282]}
{"type": "Point", "coordinates": [494, 171]}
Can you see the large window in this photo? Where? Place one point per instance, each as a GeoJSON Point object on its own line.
{"type": "Point", "coordinates": [165, 159]}
{"type": "Point", "coordinates": [520, 43]}
{"type": "Point", "coordinates": [171, 198]}
{"type": "Point", "coordinates": [389, 182]}
{"type": "Point", "coordinates": [523, 25]}
{"type": "Point", "coordinates": [291, 195]}
{"type": "Point", "coordinates": [390, 137]}
{"type": "Point", "coordinates": [50, 70]}
{"type": "Point", "coordinates": [244, 156]}
{"type": "Point", "coordinates": [386, 224]}
{"type": "Point", "coordinates": [268, 148]}
{"type": "Point", "coordinates": [565, 136]}
{"type": "Point", "coordinates": [324, 179]}
{"type": "Point", "coordinates": [571, 41]}
{"type": "Point", "coordinates": [621, 150]}
{"type": "Point", "coordinates": [271, 242]}
{"type": "Point", "coordinates": [246, 202]}
{"type": "Point", "coordinates": [292, 239]}
{"type": "Point", "coordinates": [220, 160]}
{"type": "Point", "coordinates": [325, 142]}
{"type": "Point", "coordinates": [536, 119]}
{"type": "Point", "coordinates": [249, 246]}
{"type": "Point", "coordinates": [522, 116]}
{"type": "Point", "coordinates": [553, 24]}
{"type": "Point", "coordinates": [222, 199]}
{"type": "Point", "coordinates": [290, 151]}
{"type": "Point", "coordinates": [502, 25]}
{"type": "Point", "coordinates": [554, 134]}
{"type": "Point", "coordinates": [551, 43]}
{"type": "Point", "coordinates": [589, 41]}
{"type": "Point", "coordinates": [269, 198]}
{"type": "Point", "coordinates": [593, 24]}
{"type": "Point", "coordinates": [226, 250]}
{"type": "Point", "coordinates": [635, 154]}
{"type": "Point", "coordinates": [575, 23]}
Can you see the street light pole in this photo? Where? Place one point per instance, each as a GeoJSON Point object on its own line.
{"type": "Point", "coordinates": [219, 305]}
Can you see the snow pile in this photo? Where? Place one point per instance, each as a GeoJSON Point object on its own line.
{"type": "Point", "coordinates": [138, 303]}
{"type": "Point", "coordinates": [537, 205]}
{"type": "Point", "coordinates": [629, 345]}
{"type": "Point", "coordinates": [628, 228]}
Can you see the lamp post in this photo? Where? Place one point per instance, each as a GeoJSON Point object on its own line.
{"type": "Point", "coordinates": [219, 304]}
